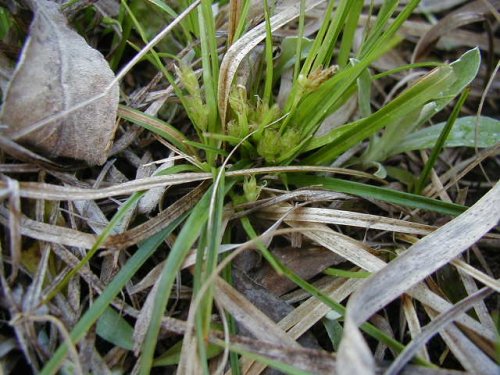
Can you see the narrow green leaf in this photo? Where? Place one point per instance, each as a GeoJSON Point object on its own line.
{"type": "Point", "coordinates": [103, 301]}
{"type": "Point", "coordinates": [386, 11]}
{"type": "Point", "coordinates": [185, 240]}
{"type": "Point", "coordinates": [440, 142]}
{"type": "Point", "coordinates": [375, 192]}
{"type": "Point", "coordinates": [351, 24]}
{"type": "Point", "coordinates": [337, 272]}
{"type": "Point", "coordinates": [156, 126]}
{"type": "Point", "coordinates": [268, 81]}
{"type": "Point", "coordinates": [413, 98]}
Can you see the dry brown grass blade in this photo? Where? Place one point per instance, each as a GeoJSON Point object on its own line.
{"type": "Point", "coordinates": [46, 191]}
{"type": "Point", "coordinates": [246, 43]}
{"type": "Point", "coordinates": [14, 223]}
{"type": "Point", "coordinates": [158, 222]}
{"type": "Point", "coordinates": [360, 254]}
{"type": "Point", "coordinates": [301, 319]}
{"type": "Point", "coordinates": [309, 360]}
{"type": "Point", "coordinates": [413, 322]}
{"type": "Point", "coordinates": [410, 268]}
{"type": "Point", "coordinates": [235, 7]}
{"type": "Point", "coordinates": [476, 274]}
{"type": "Point", "coordinates": [71, 237]}
{"type": "Point", "coordinates": [249, 316]}
{"type": "Point", "coordinates": [55, 192]}
{"type": "Point", "coordinates": [23, 154]}
{"type": "Point", "coordinates": [50, 233]}
{"type": "Point", "coordinates": [342, 217]}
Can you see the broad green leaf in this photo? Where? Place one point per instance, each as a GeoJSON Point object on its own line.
{"type": "Point", "coordinates": [463, 134]}
{"type": "Point", "coordinates": [112, 327]}
{"type": "Point", "coordinates": [288, 57]}
{"type": "Point", "coordinates": [464, 70]}
{"type": "Point", "coordinates": [334, 330]}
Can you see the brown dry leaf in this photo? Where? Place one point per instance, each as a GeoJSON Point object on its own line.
{"type": "Point", "coordinates": [419, 261]}
{"type": "Point", "coordinates": [57, 70]}
{"type": "Point", "coordinates": [306, 262]}
{"type": "Point", "coordinates": [470, 13]}
{"type": "Point", "coordinates": [250, 317]}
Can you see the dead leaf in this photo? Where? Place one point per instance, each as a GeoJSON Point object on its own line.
{"type": "Point", "coordinates": [419, 261]}
{"type": "Point", "coordinates": [58, 70]}
{"type": "Point", "coordinates": [470, 13]}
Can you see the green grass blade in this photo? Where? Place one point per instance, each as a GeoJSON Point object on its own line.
{"type": "Point", "coordinates": [300, 37]}
{"type": "Point", "coordinates": [337, 272]}
{"type": "Point", "coordinates": [156, 126]}
{"type": "Point", "coordinates": [386, 11]}
{"type": "Point", "coordinates": [440, 142]}
{"type": "Point", "coordinates": [243, 20]}
{"type": "Point", "coordinates": [283, 367]}
{"type": "Point", "coordinates": [185, 240]}
{"type": "Point", "coordinates": [327, 46]}
{"type": "Point", "coordinates": [88, 319]}
{"type": "Point", "coordinates": [376, 192]}
{"type": "Point", "coordinates": [206, 263]}
{"type": "Point", "coordinates": [364, 84]}
{"type": "Point", "coordinates": [210, 64]}
{"type": "Point", "coordinates": [381, 37]}
{"type": "Point", "coordinates": [318, 41]}
{"type": "Point", "coordinates": [410, 100]}
{"type": "Point", "coordinates": [120, 214]}
{"type": "Point", "coordinates": [268, 80]}
{"type": "Point", "coordinates": [402, 68]}
{"type": "Point", "coordinates": [351, 24]}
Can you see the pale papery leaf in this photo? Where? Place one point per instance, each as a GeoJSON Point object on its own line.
{"type": "Point", "coordinates": [298, 321]}
{"type": "Point", "coordinates": [249, 316]}
{"type": "Point", "coordinates": [57, 70]}
{"type": "Point", "coordinates": [433, 328]}
{"type": "Point", "coordinates": [470, 356]}
{"type": "Point", "coordinates": [407, 270]}
{"type": "Point", "coordinates": [361, 255]}
{"type": "Point", "coordinates": [142, 322]}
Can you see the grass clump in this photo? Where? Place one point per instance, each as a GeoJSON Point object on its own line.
{"type": "Point", "coordinates": [247, 129]}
